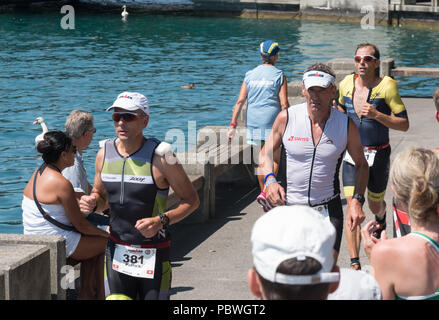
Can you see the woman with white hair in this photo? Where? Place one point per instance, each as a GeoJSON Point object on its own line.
{"type": "Point", "coordinates": [408, 268]}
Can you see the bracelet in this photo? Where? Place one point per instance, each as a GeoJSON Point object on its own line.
{"type": "Point", "coordinates": [266, 177]}
{"type": "Point", "coordinates": [271, 180]}
{"type": "Point", "coordinates": [233, 124]}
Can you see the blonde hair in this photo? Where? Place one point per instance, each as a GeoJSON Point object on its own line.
{"type": "Point", "coordinates": [78, 122]}
{"type": "Point", "coordinates": [415, 181]}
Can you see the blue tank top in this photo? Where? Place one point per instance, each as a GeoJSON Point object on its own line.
{"type": "Point", "coordinates": [263, 105]}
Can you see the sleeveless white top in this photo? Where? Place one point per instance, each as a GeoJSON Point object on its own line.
{"type": "Point", "coordinates": [34, 222]}
{"type": "Point", "coordinates": [313, 171]}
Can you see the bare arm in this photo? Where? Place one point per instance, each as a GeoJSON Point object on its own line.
{"type": "Point", "coordinates": [274, 192]}
{"type": "Point", "coordinates": [382, 260]}
{"type": "Point", "coordinates": [98, 195]}
{"type": "Point", "coordinates": [237, 109]}
{"type": "Point", "coordinates": [355, 211]}
{"type": "Point", "coordinates": [283, 94]}
{"type": "Point", "coordinates": [390, 121]}
{"type": "Point", "coordinates": [66, 196]}
{"type": "Point", "coordinates": [174, 176]}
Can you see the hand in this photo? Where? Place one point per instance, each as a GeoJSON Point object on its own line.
{"type": "Point", "coordinates": [149, 227]}
{"type": "Point", "coordinates": [368, 111]}
{"type": "Point", "coordinates": [275, 194]}
{"type": "Point", "coordinates": [231, 133]}
{"type": "Point", "coordinates": [87, 203]}
{"type": "Point", "coordinates": [355, 215]}
{"type": "Point", "coordinates": [369, 240]}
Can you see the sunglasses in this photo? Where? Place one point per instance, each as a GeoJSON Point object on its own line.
{"type": "Point", "coordinates": [73, 149]}
{"type": "Point", "coordinates": [365, 58]}
{"type": "Point", "coordinates": [126, 116]}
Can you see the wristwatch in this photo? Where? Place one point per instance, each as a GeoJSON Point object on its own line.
{"type": "Point", "coordinates": [164, 220]}
{"type": "Point", "coordinates": [359, 197]}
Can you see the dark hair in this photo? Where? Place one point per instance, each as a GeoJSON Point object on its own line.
{"type": "Point", "coordinates": [376, 53]}
{"type": "Point", "coordinates": [54, 143]}
{"type": "Point", "coordinates": [279, 291]}
{"type": "Point", "coordinates": [318, 66]}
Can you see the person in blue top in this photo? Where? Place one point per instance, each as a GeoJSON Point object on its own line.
{"type": "Point", "coordinates": [265, 89]}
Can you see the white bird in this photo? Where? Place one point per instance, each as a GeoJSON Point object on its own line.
{"type": "Point", "coordinates": [124, 13]}
{"type": "Point", "coordinates": [40, 137]}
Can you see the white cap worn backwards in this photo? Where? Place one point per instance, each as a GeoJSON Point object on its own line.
{"type": "Point", "coordinates": [288, 232]}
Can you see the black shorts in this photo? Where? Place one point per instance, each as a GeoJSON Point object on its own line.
{"type": "Point", "coordinates": [140, 288]}
{"type": "Point", "coordinates": [378, 176]}
{"type": "Point", "coordinates": [335, 211]}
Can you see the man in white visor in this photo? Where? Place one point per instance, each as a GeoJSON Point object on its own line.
{"type": "Point", "coordinates": [313, 136]}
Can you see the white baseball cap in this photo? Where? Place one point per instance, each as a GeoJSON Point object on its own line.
{"type": "Point", "coordinates": [317, 78]}
{"type": "Point", "coordinates": [131, 101]}
{"type": "Point", "coordinates": [287, 232]}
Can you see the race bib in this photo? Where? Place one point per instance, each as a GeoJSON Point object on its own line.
{"type": "Point", "coordinates": [134, 261]}
{"type": "Point", "coordinates": [368, 154]}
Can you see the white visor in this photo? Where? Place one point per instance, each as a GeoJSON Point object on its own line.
{"type": "Point", "coordinates": [316, 78]}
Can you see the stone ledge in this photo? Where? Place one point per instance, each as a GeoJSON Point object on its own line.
{"type": "Point", "coordinates": [26, 271]}
{"type": "Point", "coordinates": [57, 246]}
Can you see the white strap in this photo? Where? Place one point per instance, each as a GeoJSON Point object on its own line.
{"type": "Point", "coordinates": [307, 279]}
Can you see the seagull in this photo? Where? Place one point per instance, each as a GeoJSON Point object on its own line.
{"type": "Point", "coordinates": [190, 86]}
{"type": "Point", "coordinates": [124, 13]}
{"type": "Point", "coordinates": [40, 137]}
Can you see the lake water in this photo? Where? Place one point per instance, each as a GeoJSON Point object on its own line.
{"type": "Point", "coordinates": [47, 71]}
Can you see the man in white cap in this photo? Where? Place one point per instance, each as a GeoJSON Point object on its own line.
{"type": "Point", "coordinates": [293, 259]}
{"type": "Point", "coordinates": [292, 255]}
{"type": "Point", "coordinates": [314, 136]}
{"type": "Point", "coordinates": [133, 177]}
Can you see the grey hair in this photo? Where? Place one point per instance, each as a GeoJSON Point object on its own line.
{"type": "Point", "coordinates": [78, 122]}
{"type": "Point", "coordinates": [318, 66]}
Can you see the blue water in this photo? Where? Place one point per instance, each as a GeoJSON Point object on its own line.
{"type": "Point", "coordinates": [47, 71]}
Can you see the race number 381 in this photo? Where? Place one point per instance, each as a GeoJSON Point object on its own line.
{"type": "Point", "coordinates": [136, 262]}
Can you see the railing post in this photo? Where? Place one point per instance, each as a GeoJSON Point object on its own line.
{"type": "Point", "coordinates": [387, 66]}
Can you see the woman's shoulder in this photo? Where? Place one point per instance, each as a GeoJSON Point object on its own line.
{"type": "Point", "coordinates": [389, 249]}
{"type": "Point", "coordinates": [55, 182]}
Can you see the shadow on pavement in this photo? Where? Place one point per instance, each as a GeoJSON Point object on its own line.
{"type": "Point", "coordinates": [231, 199]}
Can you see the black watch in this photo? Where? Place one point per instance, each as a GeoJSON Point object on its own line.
{"type": "Point", "coordinates": [164, 220]}
{"type": "Point", "coordinates": [359, 197]}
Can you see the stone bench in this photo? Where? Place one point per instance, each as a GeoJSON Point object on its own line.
{"type": "Point", "coordinates": [57, 248]}
{"type": "Point", "coordinates": [213, 156]}
{"type": "Point", "coordinates": [25, 270]}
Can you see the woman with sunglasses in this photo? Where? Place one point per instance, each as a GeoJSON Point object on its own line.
{"type": "Point", "coordinates": [374, 104]}
{"type": "Point", "coordinates": [50, 208]}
